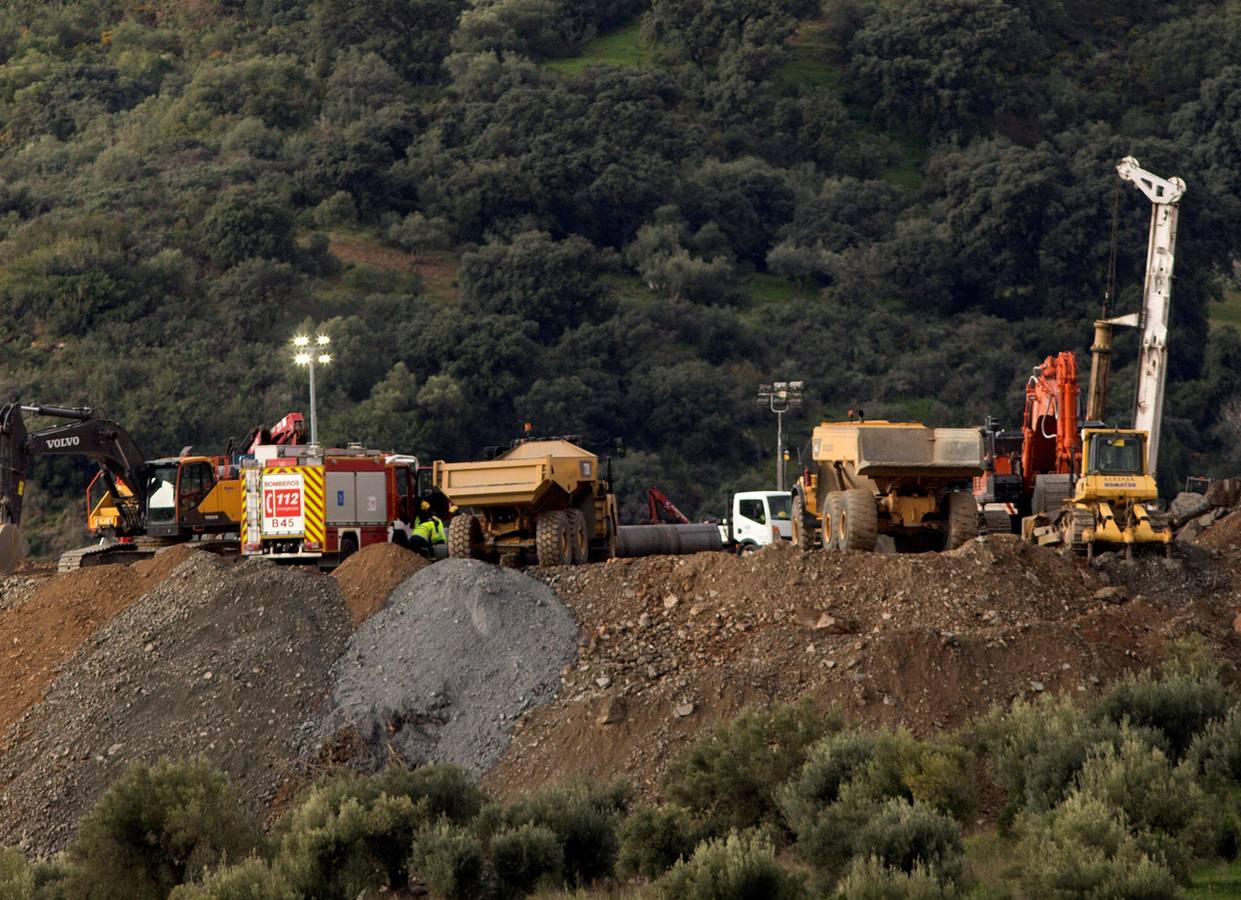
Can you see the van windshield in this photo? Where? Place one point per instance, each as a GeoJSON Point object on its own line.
{"type": "Point", "coordinates": [781, 507]}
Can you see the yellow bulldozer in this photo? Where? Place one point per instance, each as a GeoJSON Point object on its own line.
{"type": "Point", "coordinates": [1113, 500]}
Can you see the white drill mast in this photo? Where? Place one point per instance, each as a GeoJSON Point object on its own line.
{"type": "Point", "coordinates": [1164, 195]}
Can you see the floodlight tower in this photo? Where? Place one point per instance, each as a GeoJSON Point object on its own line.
{"type": "Point", "coordinates": [780, 397]}
{"type": "Point", "coordinates": [305, 356]}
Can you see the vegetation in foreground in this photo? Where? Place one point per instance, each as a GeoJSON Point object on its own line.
{"type": "Point", "coordinates": [1132, 795]}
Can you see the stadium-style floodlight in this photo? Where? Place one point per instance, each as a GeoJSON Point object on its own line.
{"type": "Point", "coordinates": [305, 358]}
{"type": "Point", "coordinates": [780, 397]}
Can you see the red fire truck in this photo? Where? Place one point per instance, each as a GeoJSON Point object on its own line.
{"type": "Point", "coordinates": [322, 506]}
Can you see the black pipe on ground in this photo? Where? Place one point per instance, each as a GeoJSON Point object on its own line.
{"type": "Point", "coordinates": [667, 540]}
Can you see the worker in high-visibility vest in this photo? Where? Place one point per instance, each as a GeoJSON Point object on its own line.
{"type": "Point", "coordinates": [428, 532]}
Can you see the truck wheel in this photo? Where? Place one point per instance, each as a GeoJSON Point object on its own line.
{"type": "Point", "coordinates": [830, 526]}
{"type": "Point", "coordinates": [803, 525]}
{"type": "Point", "coordinates": [348, 547]}
{"type": "Point", "coordinates": [961, 518]}
{"type": "Point", "coordinates": [578, 538]}
{"type": "Point", "coordinates": [551, 539]}
{"type": "Point", "coordinates": [465, 536]}
{"type": "Point", "coordinates": [859, 521]}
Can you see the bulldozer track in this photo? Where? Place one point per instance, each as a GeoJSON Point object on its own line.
{"type": "Point", "coordinates": [1075, 523]}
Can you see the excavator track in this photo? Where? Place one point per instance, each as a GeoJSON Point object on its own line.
{"type": "Point", "coordinates": [143, 548]}
{"type": "Point", "coordinates": [98, 555]}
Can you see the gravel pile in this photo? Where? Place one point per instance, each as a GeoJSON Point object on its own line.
{"type": "Point", "coordinates": [443, 671]}
{"type": "Point", "coordinates": [230, 662]}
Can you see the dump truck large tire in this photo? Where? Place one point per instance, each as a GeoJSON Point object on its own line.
{"type": "Point", "coordinates": [859, 524]}
{"type": "Point", "coordinates": [829, 527]}
{"type": "Point", "coordinates": [552, 543]}
{"type": "Point", "coordinates": [803, 525]}
{"type": "Point", "coordinates": [579, 540]}
{"type": "Point", "coordinates": [961, 519]}
{"type": "Point", "coordinates": [465, 536]}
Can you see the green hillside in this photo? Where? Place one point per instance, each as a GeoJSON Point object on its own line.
{"type": "Point", "coordinates": [612, 219]}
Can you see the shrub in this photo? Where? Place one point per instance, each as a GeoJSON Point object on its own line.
{"type": "Point", "coordinates": [730, 777]}
{"type": "Point", "coordinates": [155, 826]}
{"type": "Point", "coordinates": [417, 234]}
{"type": "Point", "coordinates": [827, 839]}
{"type": "Point", "coordinates": [738, 867]}
{"type": "Point", "coordinates": [1215, 753]}
{"type": "Point", "coordinates": [243, 224]}
{"type": "Point", "coordinates": [524, 856]}
{"type": "Point", "coordinates": [653, 839]}
{"type": "Point", "coordinates": [1177, 704]}
{"type": "Point", "coordinates": [906, 835]}
{"type": "Point", "coordinates": [880, 765]}
{"type": "Point", "coordinates": [16, 875]}
{"type": "Point", "coordinates": [1084, 848]}
{"type": "Point", "coordinates": [584, 817]}
{"type": "Point", "coordinates": [1037, 749]}
{"type": "Point", "coordinates": [449, 861]}
{"type": "Point", "coordinates": [1154, 797]}
{"type": "Point", "coordinates": [352, 832]}
{"type": "Point", "coordinates": [250, 880]}
{"type": "Point", "coordinates": [336, 210]}
{"type": "Point", "coordinates": [870, 879]}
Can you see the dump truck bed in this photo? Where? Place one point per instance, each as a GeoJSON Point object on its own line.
{"type": "Point", "coordinates": [888, 449]}
{"type": "Point", "coordinates": [518, 478]}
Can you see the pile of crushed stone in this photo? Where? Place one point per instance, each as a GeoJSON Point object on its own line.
{"type": "Point", "coordinates": [369, 576]}
{"type": "Point", "coordinates": [43, 621]}
{"type": "Point", "coordinates": [922, 640]}
{"type": "Point", "coordinates": [444, 670]}
{"type": "Point", "coordinates": [230, 662]}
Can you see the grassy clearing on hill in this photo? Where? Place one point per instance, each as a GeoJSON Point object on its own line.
{"type": "Point", "coordinates": [622, 47]}
{"type": "Point", "coordinates": [1226, 311]}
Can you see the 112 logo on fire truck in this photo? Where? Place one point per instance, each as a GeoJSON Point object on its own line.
{"type": "Point", "coordinates": [283, 509]}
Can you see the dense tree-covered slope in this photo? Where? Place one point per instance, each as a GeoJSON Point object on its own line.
{"type": "Point", "coordinates": [610, 218]}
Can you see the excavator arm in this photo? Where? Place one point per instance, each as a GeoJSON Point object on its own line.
{"type": "Point", "coordinates": [105, 442]}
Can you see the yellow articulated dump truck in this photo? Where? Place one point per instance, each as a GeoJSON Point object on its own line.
{"type": "Point", "coordinates": [544, 499]}
{"type": "Point", "coordinates": [1114, 502]}
{"type": "Point", "coordinates": [900, 479]}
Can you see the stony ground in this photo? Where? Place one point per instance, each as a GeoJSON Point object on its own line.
{"type": "Point", "coordinates": [605, 670]}
{"type": "Point", "coordinates": [670, 645]}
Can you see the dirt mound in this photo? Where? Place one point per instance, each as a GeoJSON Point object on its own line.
{"type": "Point", "coordinates": [230, 662]}
{"type": "Point", "coordinates": [926, 640]}
{"type": "Point", "coordinates": [54, 617]}
{"type": "Point", "coordinates": [440, 675]}
{"type": "Point", "coordinates": [370, 575]}
{"type": "Point", "coordinates": [1224, 534]}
